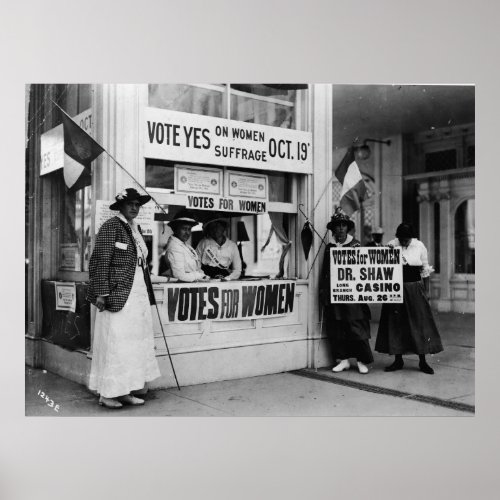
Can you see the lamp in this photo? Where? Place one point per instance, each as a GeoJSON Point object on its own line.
{"type": "Point", "coordinates": [363, 152]}
{"type": "Point", "coordinates": [241, 235]}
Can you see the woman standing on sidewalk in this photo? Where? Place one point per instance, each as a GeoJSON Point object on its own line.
{"type": "Point", "coordinates": [409, 328]}
{"type": "Point", "coordinates": [348, 325]}
{"type": "Point", "coordinates": [123, 357]}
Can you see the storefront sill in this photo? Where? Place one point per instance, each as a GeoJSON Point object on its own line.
{"type": "Point", "coordinates": [163, 352]}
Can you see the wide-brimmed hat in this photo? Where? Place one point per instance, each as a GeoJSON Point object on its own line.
{"type": "Point", "coordinates": [377, 230]}
{"type": "Point", "coordinates": [129, 194]}
{"type": "Point", "coordinates": [340, 217]}
{"type": "Point", "coordinates": [405, 230]}
{"type": "Point", "coordinates": [211, 221]}
{"type": "Point", "coordinates": [183, 217]}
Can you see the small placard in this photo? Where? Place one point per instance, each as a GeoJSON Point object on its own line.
{"type": "Point", "coordinates": [65, 296]}
{"type": "Point", "coordinates": [198, 180]}
{"type": "Point", "coordinates": [247, 185]}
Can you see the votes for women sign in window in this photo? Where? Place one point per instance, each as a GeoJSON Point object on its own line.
{"type": "Point", "coordinates": [366, 275]}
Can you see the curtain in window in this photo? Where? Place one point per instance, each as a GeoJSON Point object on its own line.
{"type": "Point", "coordinates": [277, 228]}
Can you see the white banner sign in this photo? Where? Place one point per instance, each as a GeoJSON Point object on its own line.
{"type": "Point", "coordinates": [65, 296]}
{"type": "Point", "coordinates": [191, 302]}
{"type": "Point", "coordinates": [145, 218]}
{"type": "Point", "coordinates": [225, 204]}
{"type": "Point", "coordinates": [52, 143]}
{"type": "Point", "coordinates": [187, 137]}
{"type": "Point", "coordinates": [247, 185]}
{"type": "Point", "coordinates": [366, 275]}
{"type": "Point", "coordinates": [198, 180]}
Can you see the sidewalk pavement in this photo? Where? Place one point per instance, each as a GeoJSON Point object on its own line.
{"type": "Point", "coordinates": [409, 392]}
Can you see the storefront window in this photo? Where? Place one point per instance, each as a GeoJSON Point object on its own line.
{"type": "Point", "coordinates": [74, 245]}
{"type": "Point", "coordinates": [160, 174]}
{"type": "Point", "coordinates": [269, 251]}
{"type": "Point", "coordinates": [205, 100]}
{"type": "Point", "coordinates": [276, 105]}
{"type": "Point", "coordinates": [72, 208]}
{"type": "Point", "coordinates": [465, 238]}
{"type": "Point", "coordinates": [280, 185]}
{"type": "Point", "coordinates": [273, 105]}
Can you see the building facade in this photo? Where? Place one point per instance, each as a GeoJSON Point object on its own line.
{"type": "Point", "coordinates": [190, 143]}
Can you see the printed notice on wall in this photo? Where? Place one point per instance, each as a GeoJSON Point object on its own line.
{"type": "Point", "coordinates": [366, 275]}
{"type": "Point", "coordinates": [205, 140]}
{"type": "Point", "coordinates": [65, 296]}
{"type": "Point", "coordinates": [145, 218]}
{"type": "Point", "coordinates": [247, 186]}
{"type": "Point", "coordinates": [190, 302]}
{"type": "Point", "coordinates": [198, 180]}
{"type": "Point", "coordinates": [69, 257]}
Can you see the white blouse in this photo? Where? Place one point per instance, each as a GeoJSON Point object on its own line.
{"type": "Point", "coordinates": [184, 261]}
{"type": "Point", "coordinates": [347, 240]}
{"type": "Point", "coordinates": [142, 249]}
{"type": "Point", "coordinates": [224, 256]}
{"type": "Point", "coordinates": [415, 254]}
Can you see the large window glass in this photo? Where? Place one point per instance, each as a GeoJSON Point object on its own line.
{"type": "Point", "coordinates": [205, 100]}
{"type": "Point", "coordinates": [273, 105]}
{"type": "Point", "coordinates": [72, 214]}
{"type": "Point", "coordinates": [74, 247]}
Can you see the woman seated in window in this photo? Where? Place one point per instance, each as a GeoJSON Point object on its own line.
{"type": "Point", "coordinates": [182, 258]}
{"type": "Point", "coordinates": [219, 255]}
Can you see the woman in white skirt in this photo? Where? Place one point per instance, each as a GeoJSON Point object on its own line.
{"type": "Point", "coordinates": [123, 356]}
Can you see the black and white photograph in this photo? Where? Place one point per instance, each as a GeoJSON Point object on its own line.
{"type": "Point", "coordinates": [280, 249]}
{"type": "Point", "coordinates": [257, 246]}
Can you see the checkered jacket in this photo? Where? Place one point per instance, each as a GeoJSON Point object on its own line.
{"type": "Point", "coordinates": [112, 264]}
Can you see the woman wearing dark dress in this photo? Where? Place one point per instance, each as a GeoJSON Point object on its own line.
{"type": "Point", "coordinates": [409, 328]}
{"type": "Point", "coordinates": [348, 325]}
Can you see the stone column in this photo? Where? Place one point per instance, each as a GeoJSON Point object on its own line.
{"type": "Point", "coordinates": [321, 126]}
{"type": "Point", "coordinates": [446, 244]}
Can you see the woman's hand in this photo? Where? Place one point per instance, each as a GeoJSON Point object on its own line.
{"type": "Point", "coordinates": [100, 303]}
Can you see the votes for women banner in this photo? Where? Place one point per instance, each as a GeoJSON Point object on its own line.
{"type": "Point", "coordinates": [222, 301]}
{"type": "Point", "coordinates": [366, 275]}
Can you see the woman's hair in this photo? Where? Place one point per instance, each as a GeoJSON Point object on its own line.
{"type": "Point", "coordinates": [405, 230]}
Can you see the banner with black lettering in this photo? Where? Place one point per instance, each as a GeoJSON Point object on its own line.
{"type": "Point", "coordinates": [366, 275]}
{"type": "Point", "coordinates": [206, 140]}
{"type": "Point", "coordinates": [223, 301]}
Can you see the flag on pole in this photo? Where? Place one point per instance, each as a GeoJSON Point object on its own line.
{"type": "Point", "coordinates": [80, 150]}
{"type": "Point", "coordinates": [353, 185]}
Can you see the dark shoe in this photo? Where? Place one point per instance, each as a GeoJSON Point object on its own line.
{"type": "Point", "coordinates": [110, 403]}
{"type": "Point", "coordinates": [397, 365]}
{"type": "Point", "coordinates": [424, 367]}
{"type": "Point", "coordinates": [131, 400]}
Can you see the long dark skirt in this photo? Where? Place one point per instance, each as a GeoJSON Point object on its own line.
{"type": "Point", "coordinates": [349, 339]}
{"type": "Point", "coordinates": [408, 328]}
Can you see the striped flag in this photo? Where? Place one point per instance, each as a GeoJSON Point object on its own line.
{"type": "Point", "coordinates": [353, 185]}
{"type": "Point", "coordinates": [79, 151]}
